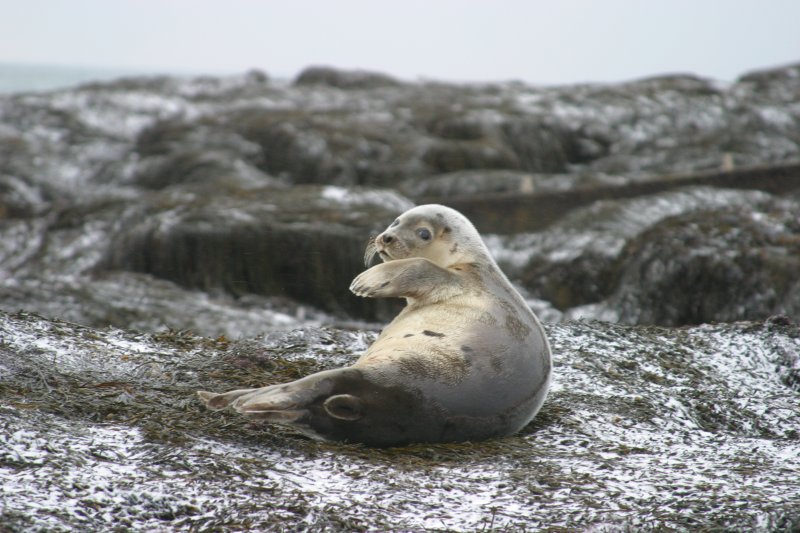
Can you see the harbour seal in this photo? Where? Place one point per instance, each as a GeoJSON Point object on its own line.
{"type": "Point", "coordinates": [466, 359]}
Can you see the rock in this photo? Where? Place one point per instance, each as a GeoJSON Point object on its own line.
{"type": "Point", "coordinates": [305, 243]}
{"type": "Point", "coordinates": [555, 195]}
{"type": "Point", "coordinates": [575, 261]}
{"type": "Point", "coordinates": [80, 262]}
{"type": "Point", "coordinates": [470, 182]}
{"type": "Point", "coordinates": [214, 169]}
{"type": "Point", "coordinates": [409, 131]}
{"type": "Point", "coordinates": [168, 136]}
{"type": "Point", "coordinates": [344, 79]}
{"type": "Point", "coordinates": [781, 84]}
{"type": "Point", "coordinates": [174, 151]}
{"type": "Point", "coordinates": [146, 303]}
{"type": "Point", "coordinates": [644, 428]}
{"type": "Point", "coordinates": [475, 142]}
{"type": "Point", "coordinates": [451, 156]}
{"type": "Point", "coordinates": [257, 76]}
{"type": "Point", "coordinates": [18, 199]}
{"type": "Point", "coordinates": [541, 145]}
{"type": "Point", "coordinates": [20, 194]}
{"type": "Point", "coordinates": [712, 266]}
{"type": "Point", "coordinates": [86, 171]}
{"type": "Point", "coordinates": [458, 126]}
{"type": "Point", "coordinates": [293, 148]}
{"type": "Point", "coordinates": [389, 131]}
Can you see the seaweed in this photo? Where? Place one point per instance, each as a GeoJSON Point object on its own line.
{"type": "Point", "coordinates": [100, 430]}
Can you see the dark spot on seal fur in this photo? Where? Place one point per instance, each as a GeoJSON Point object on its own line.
{"type": "Point", "coordinates": [497, 363]}
{"type": "Point", "coordinates": [440, 215]}
{"type": "Point", "coordinates": [487, 318]}
{"type": "Point", "coordinates": [467, 349]}
{"type": "Point", "coordinates": [385, 283]}
{"type": "Point", "coordinates": [454, 249]}
{"type": "Point", "coordinates": [447, 229]}
{"type": "Point", "coordinates": [516, 327]}
{"type": "Point", "coordinates": [442, 365]}
{"type": "Point", "coordinates": [407, 335]}
{"type": "Point", "coordinates": [430, 333]}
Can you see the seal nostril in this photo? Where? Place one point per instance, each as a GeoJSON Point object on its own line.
{"type": "Point", "coordinates": [387, 239]}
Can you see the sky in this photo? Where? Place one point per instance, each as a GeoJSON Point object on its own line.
{"type": "Point", "coordinates": [544, 42]}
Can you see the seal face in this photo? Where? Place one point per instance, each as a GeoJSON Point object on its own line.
{"type": "Point", "coordinates": [466, 359]}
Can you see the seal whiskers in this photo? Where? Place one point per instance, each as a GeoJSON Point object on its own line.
{"type": "Point", "coordinates": [370, 251]}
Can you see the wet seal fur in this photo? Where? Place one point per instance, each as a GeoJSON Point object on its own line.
{"type": "Point", "coordinates": [466, 359]}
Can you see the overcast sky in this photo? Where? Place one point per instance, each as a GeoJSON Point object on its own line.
{"type": "Point", "coordinates": [538, 41]}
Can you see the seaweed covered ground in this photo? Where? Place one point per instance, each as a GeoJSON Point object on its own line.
{"type": "Point", "coordinates": [645, 428]}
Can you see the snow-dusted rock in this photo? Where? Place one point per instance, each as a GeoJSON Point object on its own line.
{"type": "Point", "coordinates": [645, 428]}
{"type": "Point", "coordinates": [145, 182]}
{"type": "Point", "coordinates": [687, 256]}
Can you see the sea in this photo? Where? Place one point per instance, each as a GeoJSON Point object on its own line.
{"type": "Point", "coordinates": [18, 78]}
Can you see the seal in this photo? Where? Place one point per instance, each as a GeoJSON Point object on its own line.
{"type": "Point", "coordinates": [466, 358]}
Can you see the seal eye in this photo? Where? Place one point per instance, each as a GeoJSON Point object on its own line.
{"type": "Point", "coordinates": [424, 234]}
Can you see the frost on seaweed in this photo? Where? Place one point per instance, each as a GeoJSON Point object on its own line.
{"type": "Point", "coordinates": [693, 428]}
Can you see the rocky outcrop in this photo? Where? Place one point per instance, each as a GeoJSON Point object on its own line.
{"type": "Point", "coordinates": [201, 184]}
{"type": "Point", "coordinates": [304, 243]}
{"type": "Point", "coordinates": [683, 429]}
{"type": "Point", "coordinates": [385, 132]}
{"type": "Point", "coordinates": [712, 266]}
{"type": "Point", "coordinates": [575, 261]}
{"type": "Point", "coordinates": [514, 202]}
{"type": "Point", "coordinates": [471, 183]}
{"type": "Point", "coordinates": [344, 79]}
{"type": "Point", "coordinates": [689, 256]}
{"type": "Point", "coordinates": [780, 84]}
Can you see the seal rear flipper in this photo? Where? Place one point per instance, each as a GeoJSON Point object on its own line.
{"type": "Point", "coordinates": [267, 414]}
{"type": "Point", "coordinates": [221, 401]}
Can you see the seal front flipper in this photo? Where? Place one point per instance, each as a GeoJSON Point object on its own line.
{"type": "Point", "coordinates": [401, 278]}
